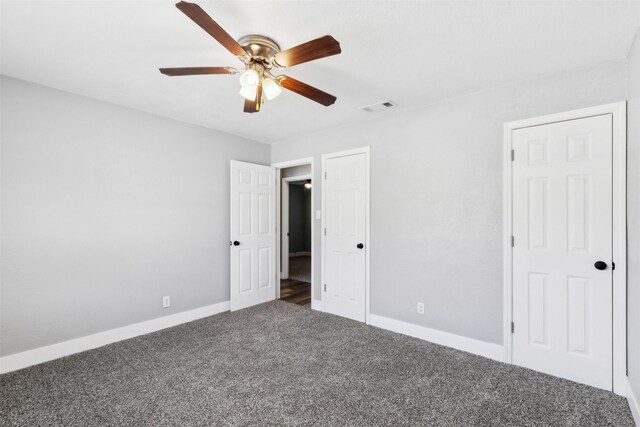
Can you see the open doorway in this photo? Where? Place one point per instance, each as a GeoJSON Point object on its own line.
{"type": "Point", "coordinates": [296, 234]}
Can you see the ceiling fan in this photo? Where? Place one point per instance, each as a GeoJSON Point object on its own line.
{"type": "Point", "coordinates": [260, 55]}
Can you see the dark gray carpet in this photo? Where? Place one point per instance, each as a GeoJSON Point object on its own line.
{"type": "Point", "coordinates": [281, 364]}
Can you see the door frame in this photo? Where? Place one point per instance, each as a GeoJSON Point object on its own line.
{"type": "Point", "coordinates": [619, 229]}
{"type": "Point", "coordinates": [284, 219]}
{"type": "Point", "coordinates": [279, 166]}
{"type": "Point", "coordinates": [367, 243]}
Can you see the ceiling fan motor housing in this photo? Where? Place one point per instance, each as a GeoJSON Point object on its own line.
{"type": "Point", "coordinates": [259, 47]}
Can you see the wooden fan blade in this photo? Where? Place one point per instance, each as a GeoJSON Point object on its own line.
{"type": "Point", "coordinates": [307, 91]}
{"type": "Point", "coordinates": [192, 71]}
{"type": "Point", "coordinates": [205, 22]}
{"type": "Point", "coordinates": [309, 51]}
{"type": "Point", "coordinates": [259, 96]}
{"type": "Point", "coordinates": [249, 106]}
{"type": "Point", "coordinates": [253, 106]}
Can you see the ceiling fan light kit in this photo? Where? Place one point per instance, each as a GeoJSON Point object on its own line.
{"type": "Point", "coordinates": [271, 88]}
{"type": "Point", "coordinates": [260, 55]}
{"type": "Point", "coordinates": [249, 78]}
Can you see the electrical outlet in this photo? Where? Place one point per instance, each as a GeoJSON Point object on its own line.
{"type": "Point", "coordinates": [166, 301]}
{"type": "Point", "coordinates": [420, 308]}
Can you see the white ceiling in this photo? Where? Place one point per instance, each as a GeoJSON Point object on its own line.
{"type": "Point", "coordinates": [414, 53]}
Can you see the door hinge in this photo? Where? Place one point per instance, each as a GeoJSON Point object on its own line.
{"type": "Point", "coordinates": [325, 231]}
{"type": "Point", "coordinates": [325, 287]}
{"type": "Point", "coordinates": [325, 176]}
{"type": "Point", "coordinates": [513, 327]}
{"type": "Point", "coordinates": [513, 155]}
{"type": "Point", "coordinates": [613, 265]}
{"type": "Point", "coordinates": [513, 241]}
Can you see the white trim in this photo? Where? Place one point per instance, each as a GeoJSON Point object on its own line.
{"type": "Point", "coordinates": [470, 345]}
{"type": "Point", "coordinates": [43, 354]}
{"type": "Point", "coordinates": [279, 166]}
{"type": "Point", "coordinates": [367, 243]}
{"type": "Point", "coordinates": [619, 112]}
{"type": "Point", "coordinates": [316, 304]}
{"type": "Point", "coordinates": [297, 178]}
{"type": "Point", "coordinates": [278, 234]}
{"type": "Point", "coordinates": [292, 163]}
{"type": "Point", "coordinates": [283, 258]}
{"type": "Point", "coordinates": [507, 255]}
{"type": "Point", "coordinates": [634, 404]}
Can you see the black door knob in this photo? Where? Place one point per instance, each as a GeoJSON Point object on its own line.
{"type": "Point", "coordinates": [600, 265]}
{"type": "Point", "coordinates": [360, 246]}
{"type": "Point", "coordinates": [236, 243]}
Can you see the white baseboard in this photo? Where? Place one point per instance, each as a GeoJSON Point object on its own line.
{"type": "Point", "coordinates": [470, 345]}
{"type": "Point", "coordinates": [43, 354]}
{"type": "Point", "coordinates": [316, 304]}
{"type": "Point", "coordinates": [634, 404]}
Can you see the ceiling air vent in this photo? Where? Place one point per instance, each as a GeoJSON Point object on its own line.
{"type": "Point", "coordinates": [380, 107]}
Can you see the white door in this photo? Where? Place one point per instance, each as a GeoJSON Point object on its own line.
{"type": "Point", "coordinates": [562, 227]}
{"type": "Point", "coordinates": [345, 230]}
{"type": "Point", "coordinates": [253, 235]}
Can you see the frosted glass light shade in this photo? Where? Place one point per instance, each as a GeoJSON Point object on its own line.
{"type": "Point", "coordinates": [271, 88]}
{"type": "Point", "coordinates": [249, 78]}
{"type": "Point", "coordinates": [248, 92]}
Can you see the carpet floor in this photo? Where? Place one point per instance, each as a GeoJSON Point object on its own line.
{"type": "Point", "coordinates": [280, 364]}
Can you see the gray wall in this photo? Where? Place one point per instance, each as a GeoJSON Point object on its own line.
{"type": "Point", "coordinates": [633, 218]}
{"type": "Point", "coordinates": [436, 195]}
{"type": "Point", "coordinates": [299, 219]}
{"type": "Point", "coordinates": [104, 211]}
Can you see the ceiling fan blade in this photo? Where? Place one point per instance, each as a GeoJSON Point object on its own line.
{"type": "Point", "coordinates": [205, 22]}
{"type": "Point", "coordinates": [192, 71]}
{"type": "Point", "coordinates": [309, 51]}
{"type": "Point", "coordinates": [249, 106]}
{"type": "Point", "coordinates": [253, 106]}
{"type": "Point", "coordinates": [307, 91]}
{"type": "Point", "coordinates": [259, 97]}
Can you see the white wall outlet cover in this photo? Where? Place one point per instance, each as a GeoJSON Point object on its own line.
{"type": "Point", "coordinates": [420, 308]}
{"type": "Point", "coordinates": [318, 214]}
{"type": "Point", "coordinates": [166, 301]}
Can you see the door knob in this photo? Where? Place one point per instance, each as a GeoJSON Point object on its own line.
{"type": "Point", "coordinates": [600, 265]}
{"type": "Point", "coordinates": [360, 246]}
{"type": "Point", "coordinates": [236, 243]}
